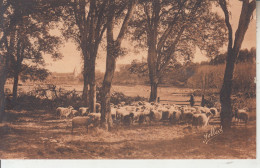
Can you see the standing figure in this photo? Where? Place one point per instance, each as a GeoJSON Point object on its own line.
{"type": "Point", "coordinates": [192, 102]}
{"type": "Point", "coordinates": [203, 101]}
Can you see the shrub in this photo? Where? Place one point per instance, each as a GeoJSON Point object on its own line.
{"type": "Point", "coordinates": [209, 77]}
{"type": "Point", "coordinates": [244, 79]}
{"type": "Point", "coordinates": [45, 97]}
{"type": "Point", "coordinates": [118, 97]}
{"type": "Point", "coordinates": [49, 97]}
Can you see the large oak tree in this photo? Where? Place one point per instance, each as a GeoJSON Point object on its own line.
{"type": "Point", "coordinates": [85, 23]}
{"type": "Point", "coordinates": [32, 40]}
{"type": "Point", "coordinates": [113, 51]}
{"type": "Point", "coordinates": [11, 15]}
{"type": "Point", "coordinates": [234, 45]}
{"type": "Point", "coordinates": [171, 30]}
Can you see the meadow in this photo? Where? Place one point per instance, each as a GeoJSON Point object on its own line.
{"type": "Point", "coordinates": [38, 134]}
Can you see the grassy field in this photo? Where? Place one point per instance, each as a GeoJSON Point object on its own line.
{"type": "Point", "coordinates": [37, 134]}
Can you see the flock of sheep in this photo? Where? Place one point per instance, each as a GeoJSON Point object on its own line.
{"type": "Point", "coordinates": [144, 112]}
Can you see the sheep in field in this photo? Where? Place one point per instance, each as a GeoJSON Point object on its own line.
{"type": "Point", "coordinates": [242, 114]}
{"type": "Point", "coordinates": [200, 120]}
{"type": "Point", "coordinates": [175, 117]}
{"type": "Point", "coordinates": [83, 111]}
{"type": "Point", "coordinates": [155, 115]}
{"type": "Point", "coordinates": [81, 121]}
{"type": "Point", "coordinates": [214, 111]}
{"type": "Point", "coordinates": [96, 117]}
{"type": "Point", "coordinates": [187, 116]}
{"type": "Point", "coordinates": [121, 113]}
{"type": "Point", "coordinates": [75, 112]}
{"type": "Point", "coordinates": [92, 118]}
{"type": "Point", "coordinates": [113, 113]}
{"type": "Point", "coordinates": [98, 107]}
{"type": "Point", "coordinates": [64, 112]}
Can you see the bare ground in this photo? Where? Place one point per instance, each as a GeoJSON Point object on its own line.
{"type": "Point", "coordinates": [38, 135]}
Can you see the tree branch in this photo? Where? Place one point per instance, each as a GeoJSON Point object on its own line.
{"type": "Point", "coordinates": [223, 5]}
{"type": "Point", "coordinates": [148, 19]}
{"type": "Point", "coordinates": [244, 20]}
{"type": "Point", "coordinates": [123, 29]}
{"type": "Point", "coordinates": [110, 23]}
{"type": "Point", "coordinates": [167, 32]}
{"type": "Point", "coordinates": [171, 51]}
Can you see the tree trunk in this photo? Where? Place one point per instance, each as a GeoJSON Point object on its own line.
{"type": "Point", "coordinates": [233, 50]}
{"type": "Point", "coordinates": [17, 68]}
{"type": "Point", "coordinates": [106, 120]}
{"type": "Point", "coordinates": [85, 93]}
{"type": "Point", "coordinates": [86, 84]}
{"type": "Point", "coordinates": [92, 97]}
{"type": "Point", "coordinates": [3, 74]}
{"type": "Point", "coordinates": [113, 49]}
{"type": "Point", "coordinates": [92, 84]}
{"type": "Point", "coordinates": [225, 93]}
{"type": "Point", "coordinates": [15, 85]}
{"type": "Point", "coordinates": [152, 65]}
{"type": "Point", "coordinates": [153, 94]}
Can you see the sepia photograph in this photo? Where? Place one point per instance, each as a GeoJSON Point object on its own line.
{"type": "Point", "coordinates": [128, 79]}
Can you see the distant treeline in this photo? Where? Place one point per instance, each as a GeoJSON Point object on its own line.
{"type": "Point", "coordinates": [204, 75]}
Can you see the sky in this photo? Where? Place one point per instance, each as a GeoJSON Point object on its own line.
{"type": "Point", "coordinates": [72, 57]}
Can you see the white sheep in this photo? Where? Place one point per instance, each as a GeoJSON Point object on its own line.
{"type": "Point", "coordinates": [136, 116]}
{"type": "Point", "coordinates": [201, 109]}
{"type": "Point", "coordinates": [193, 110]}
{"type": "Point", "coordinates": [75, 112]}
{"type": "Point", "coordinates": [187, 116]}
{"type": "Point", "coordinates": [155, 115]}
{"type": "Point", "coordinates": [81, 121]}
{"type": "Point", "coordinates": [58, 111]}
{"type": "Point", "coordinates": [92, 118]}
{"type": "Point", "coordinates": [168, 112]}
{"type": "Point", "coordinates": [121, 112]}
{"type": "Point", "coordinates": [242, 114]}
{"type": "Point", "coordinates": [143, 115]}
{"type": "Point", "coordinates": [113, 112]}
{"type": "Point", "coordinates": [64, 112]}
{"type": "Point", "coordinates": [214, 111]}
{"type": "Point", "coordinates": [83, 111]}
{"type": "Point", "coordinates": [207, 110]}
{"type": "Point", "coordinates": [96, 116]}
{"type": "Point", "coordinates": [127, 119]}
{"type": "Point", "coordinates": [200, 120]}
{"type": "Point", "coordinates": [146, 112]}
{"type": "Point", "coordinates": [185, 109]}
{"type": "Point", "coordinates": [175, 117]}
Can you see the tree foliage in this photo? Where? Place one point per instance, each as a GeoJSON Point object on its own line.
{"type": "Point", "coordinates": [244, 55]}
{"type": "Point", "coordinates": [85, 23]}
{"type": "Point", "coordinates": [171, 30]}
{"type": "Point", "coordinates": [18, 21]}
